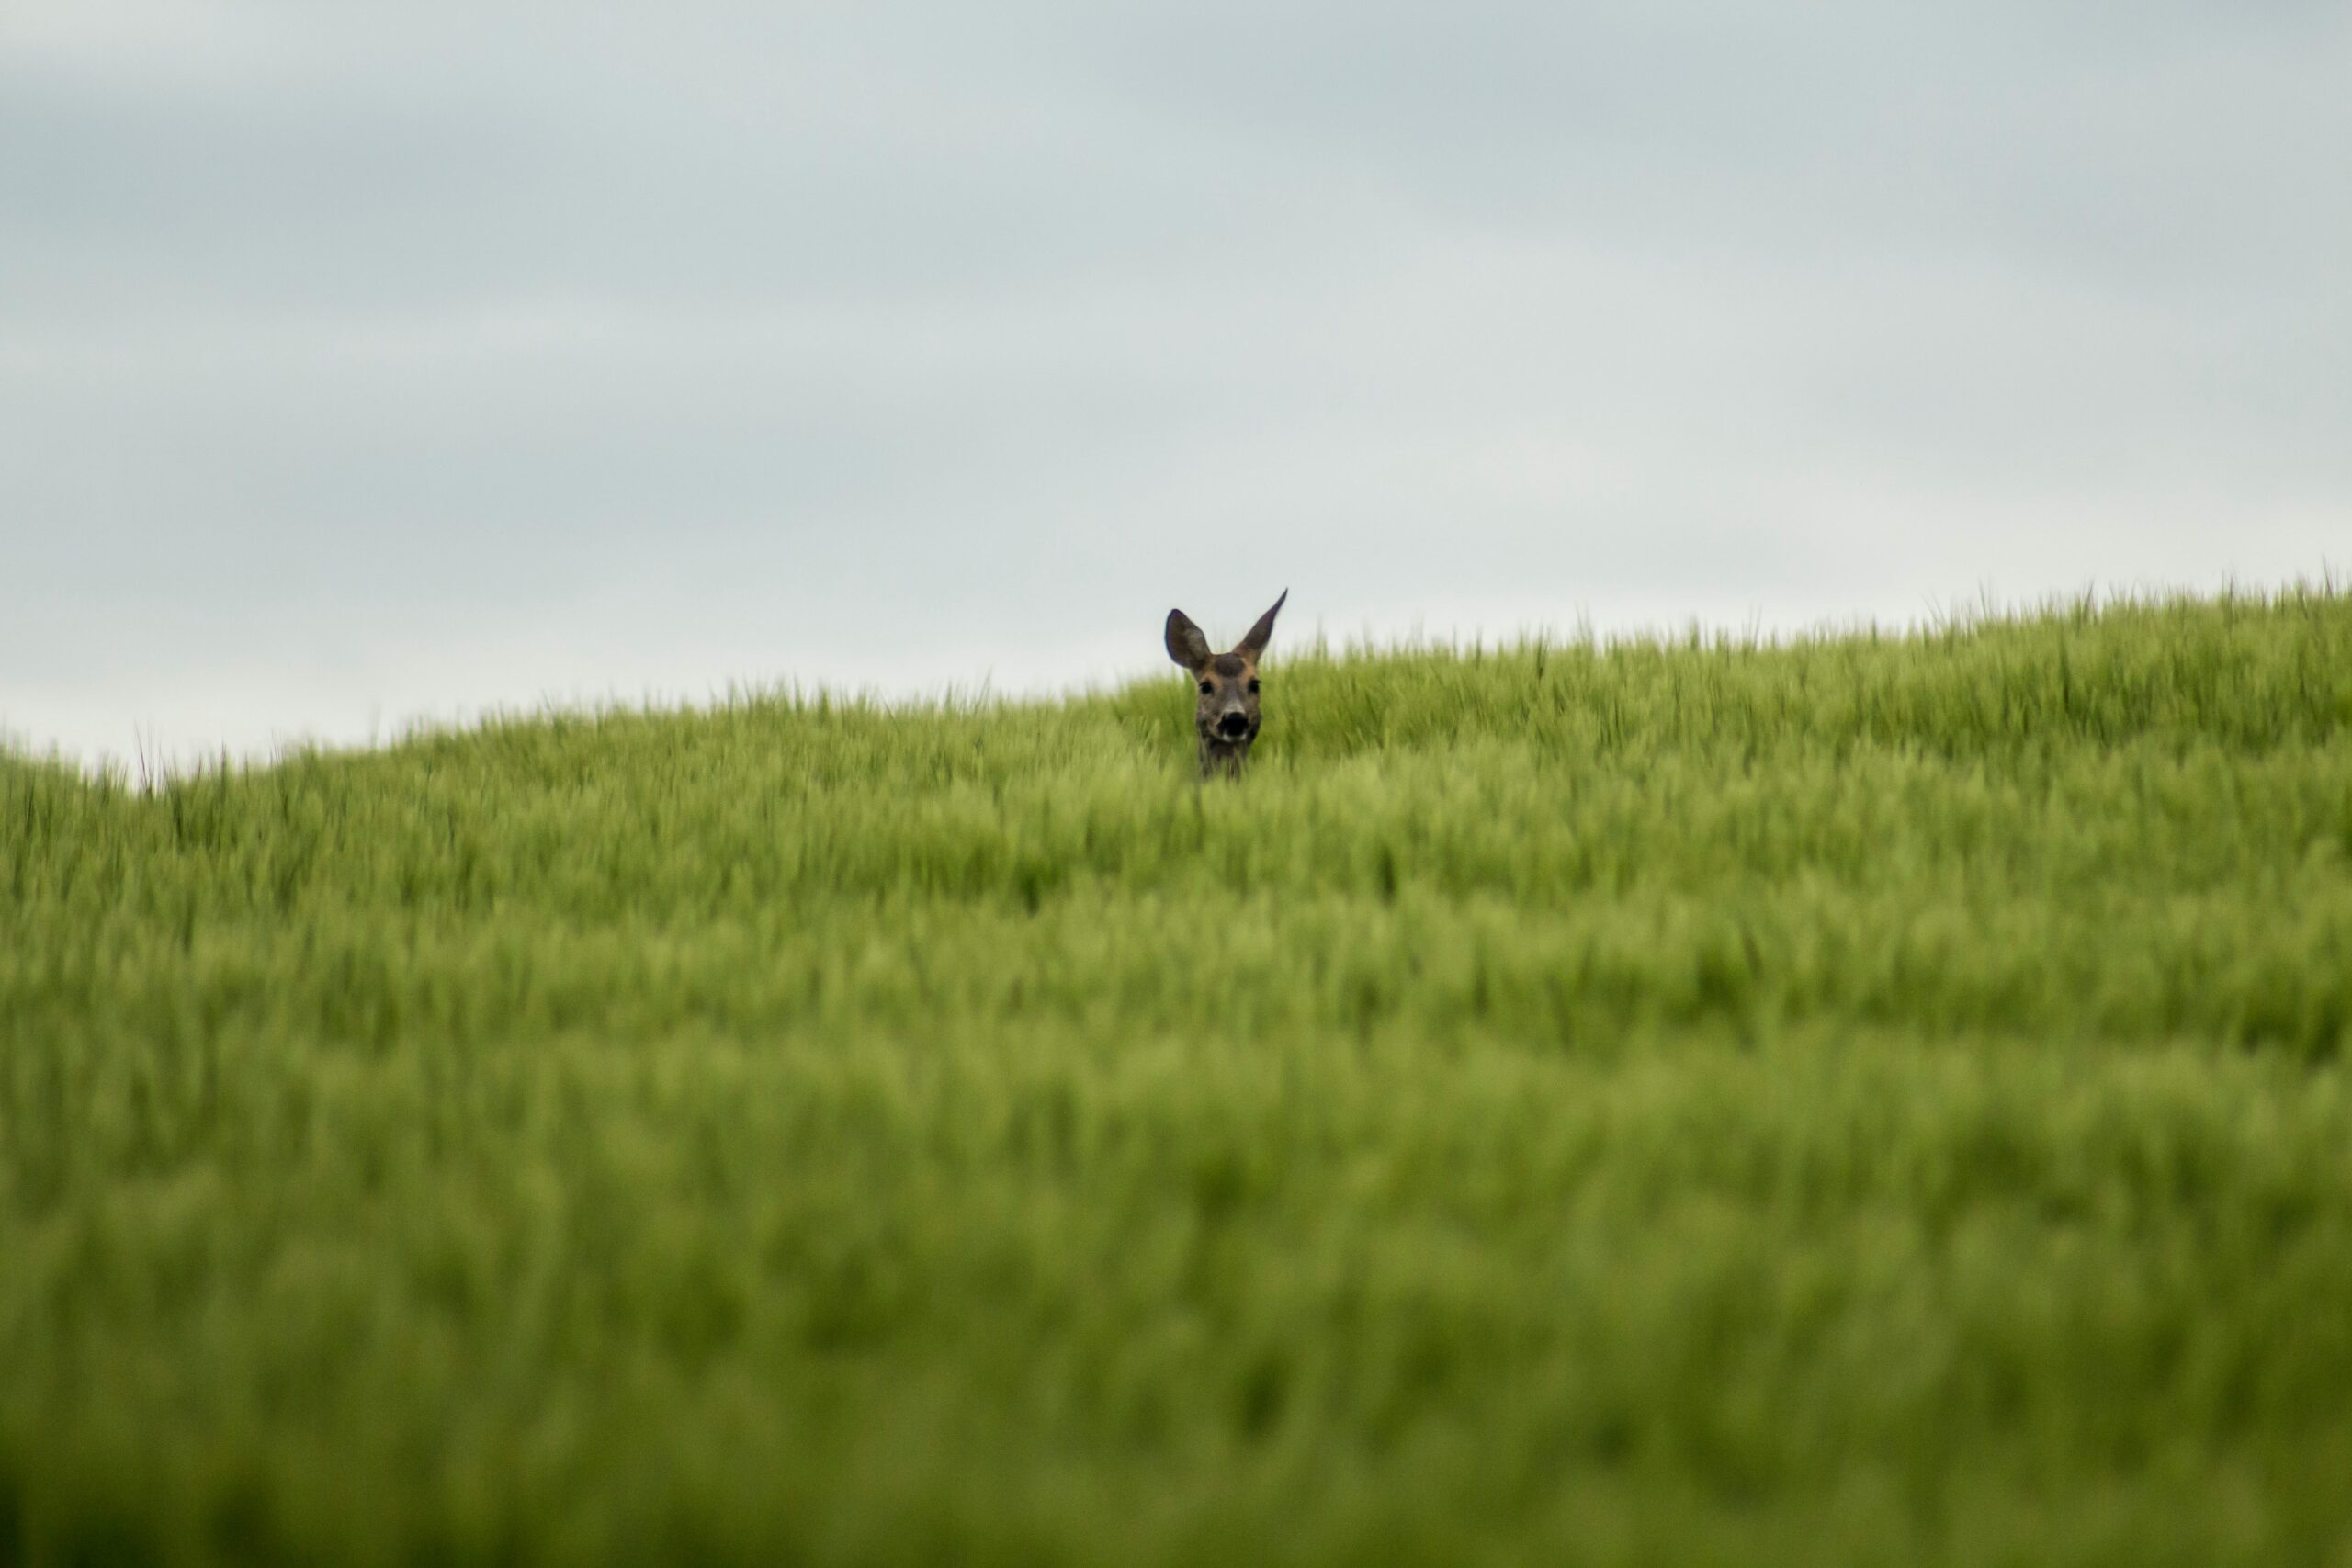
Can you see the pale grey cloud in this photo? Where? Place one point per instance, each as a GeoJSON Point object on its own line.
{"type": "Point", "coordinates": [360, 367]}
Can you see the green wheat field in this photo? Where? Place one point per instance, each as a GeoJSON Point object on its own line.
{"type": "Point", "coordinates": [1872, 1100]}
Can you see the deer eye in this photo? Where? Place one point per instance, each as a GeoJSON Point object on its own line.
{"type": "Point", "coordinates": [1208, 688]}
{"type": "Point", "coordinates": [1253, 685]}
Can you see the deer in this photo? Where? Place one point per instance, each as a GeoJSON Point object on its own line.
{"type": "Point", "coordinates": [1227, 716]}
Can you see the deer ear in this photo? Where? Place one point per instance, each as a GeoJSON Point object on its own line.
{"type": "Point", "coordinates": [1263, 632]}
{"type": "Point", "coordinates": [1186, 645]}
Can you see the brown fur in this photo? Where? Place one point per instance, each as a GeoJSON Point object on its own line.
{"type": "Point", "coordinates": [1227, 715]}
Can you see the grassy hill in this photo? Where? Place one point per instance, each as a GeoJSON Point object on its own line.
{"type": "Point", "coordinates": [1877, 1100]}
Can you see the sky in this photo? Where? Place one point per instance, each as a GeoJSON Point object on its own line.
{"type": "Point", "coordinates": [368, 365]}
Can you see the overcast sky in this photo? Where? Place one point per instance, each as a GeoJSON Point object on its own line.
{"type": "Point", "coordinates": [365, 365]}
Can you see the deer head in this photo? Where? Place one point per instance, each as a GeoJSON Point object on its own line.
{"type": "Point", "coordinates": [1228, 715]}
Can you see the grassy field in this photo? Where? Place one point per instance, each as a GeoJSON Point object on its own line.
{"type": "Point", "coordinates": [1875, 1100]}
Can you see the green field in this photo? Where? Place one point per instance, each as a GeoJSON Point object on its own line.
{"type": "Point", "coordinates": [1879, 1100]}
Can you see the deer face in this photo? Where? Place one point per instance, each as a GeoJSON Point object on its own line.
{"type": "Point", "coordinates": [1227, 714]}
{"type": "Point", "coordinates": [1229, 706]}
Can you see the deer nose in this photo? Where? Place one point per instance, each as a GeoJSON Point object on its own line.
{"type": "Point", "coordinates": [1234, 723]}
